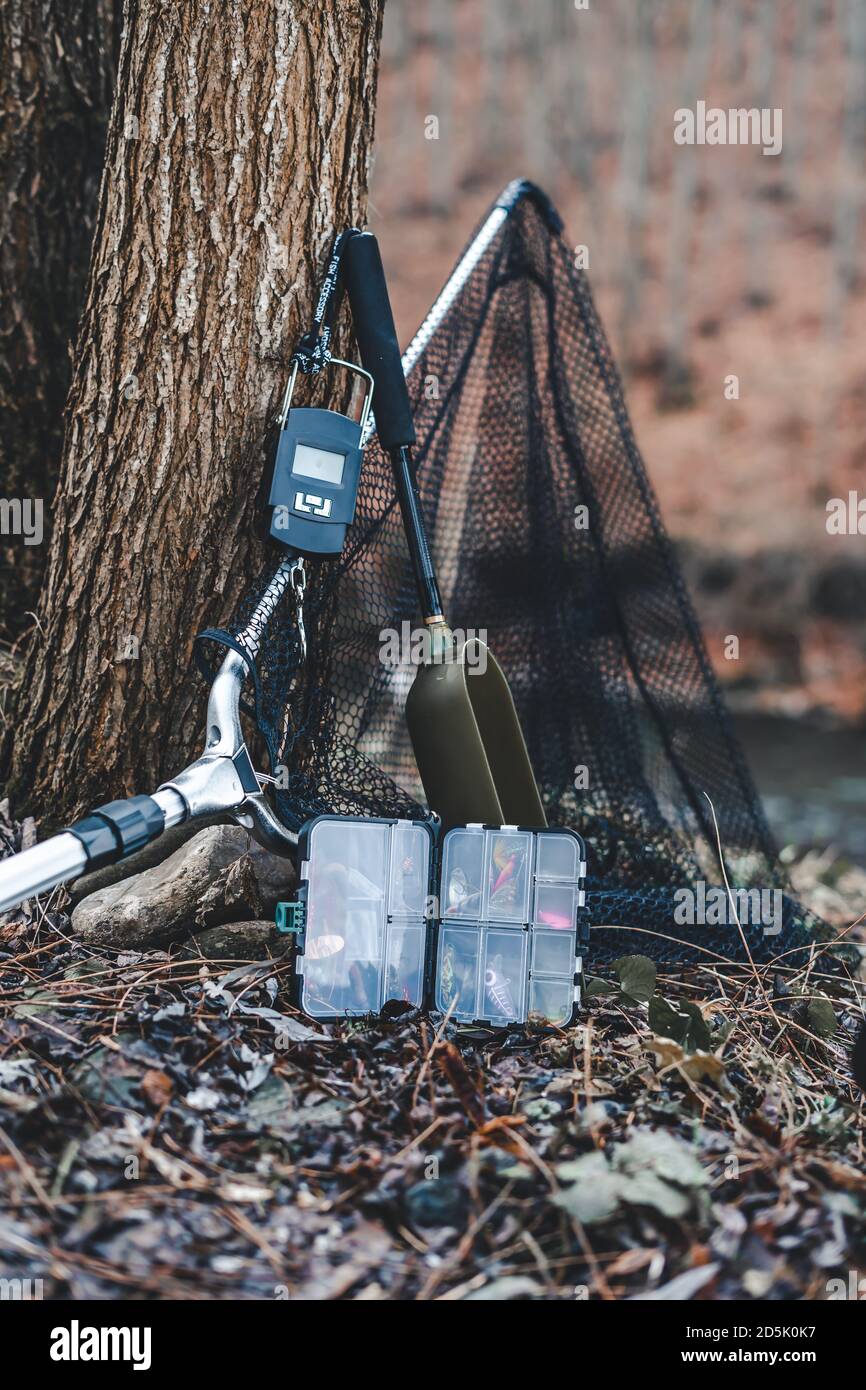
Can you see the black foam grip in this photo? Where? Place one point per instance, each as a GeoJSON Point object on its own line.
{"type": "Point", "coordinates": [377, 340]}
{"type": "Point", "coordinates": [99, 840]}
{"type": "Point", "coordinates": [118, 829]}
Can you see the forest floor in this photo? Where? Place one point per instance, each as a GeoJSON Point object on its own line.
{"type": "Point", "coordinates": [173, 1129]}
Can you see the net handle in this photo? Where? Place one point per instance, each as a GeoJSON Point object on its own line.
{"type": "Point", "coordinates": [380, 353]}
{"type": "Point", "coordinates": [373, 322]}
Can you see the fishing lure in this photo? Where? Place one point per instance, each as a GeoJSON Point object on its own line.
{"type": "Point", "coordinates": [499, 989]}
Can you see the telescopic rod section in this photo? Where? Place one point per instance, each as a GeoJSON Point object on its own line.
{"type": "Point", "coordinates": [108, 834]}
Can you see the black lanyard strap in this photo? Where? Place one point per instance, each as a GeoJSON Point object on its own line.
{"type": "Point", "coordinates": [313, 350]}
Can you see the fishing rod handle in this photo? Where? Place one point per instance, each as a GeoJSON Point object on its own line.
{"type": "Point", "coordinates": [373, 321]}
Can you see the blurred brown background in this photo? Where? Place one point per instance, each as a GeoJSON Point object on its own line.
{"type": "Point", "coordinates": [706, 261]}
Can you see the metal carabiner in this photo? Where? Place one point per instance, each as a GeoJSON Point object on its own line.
{"type": "Point", "coordinates": [331, 362]}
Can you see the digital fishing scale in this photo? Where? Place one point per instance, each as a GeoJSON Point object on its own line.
{"type": "Point", "coordinates": [317, 472]}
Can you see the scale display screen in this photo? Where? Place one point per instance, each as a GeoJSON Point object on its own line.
{"type": "Point", "coordinates": [321, 464]}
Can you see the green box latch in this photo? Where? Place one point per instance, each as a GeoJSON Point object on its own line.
{"type": "Point", "coordinates": [291, 918]}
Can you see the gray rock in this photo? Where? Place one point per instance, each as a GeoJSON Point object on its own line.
{"type": "Point", "coordinates": [233, 941]}
{"type": "Point", "coordinates": [220, 875]}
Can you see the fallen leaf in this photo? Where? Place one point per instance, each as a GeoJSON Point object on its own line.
{"type": "Point", "coordinates": [596, 986]}
{"type": "Point", "coordinates": [202, 1098]}
{"type": "Point", "coordinates": [449, 1060]}
{"type": "Point", "coordinates": [663, 1154]}
{"type": "Point", "coordinates": [684, 1286]}
{"type": "Point", "coordinates": [822, 1017]}
{"type": "Point", "coordinates": [244, 1192]}
{"type": "Point", "coordinates": [695, 1065]}
{"type": "Point", "coordinates": [630, 1261]}
{"type": "Point", "coordinates": [293, 1030]}
{"type": "Point", "coordinates": [683, 1022]}
{"type": "Point", "coordinates": [651, 1169]}
{"type": "Point", "coordinates": [595, 1191]}
{"type": "Point", "coordinates": [500, 1122]}
{"type": "Point", "coordinates": [509, 1287]}
{"type": "Point", "coordinates": [157, 1087]}
{"type": "Point", "coordinates": [637, 977]}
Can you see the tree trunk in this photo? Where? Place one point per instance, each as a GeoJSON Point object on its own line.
{"type": "Point", "coordinates": [57, 65]}
{"type": "Point", "coordinates": [240, 139]}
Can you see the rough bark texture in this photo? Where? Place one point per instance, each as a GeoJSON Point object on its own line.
{"type": "Point", "coordinates": [56, 79]}
{"type": "Point", "coordinates": [240, 138]}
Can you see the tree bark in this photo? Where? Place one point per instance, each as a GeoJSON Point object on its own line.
{"type": "Point", "coordinates": [57, 64]}
{"type": "Point", "coordinates": [239, 141]}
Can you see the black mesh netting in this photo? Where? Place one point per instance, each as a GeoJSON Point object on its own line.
{"type": "Point", "coordinates": [521, 423]}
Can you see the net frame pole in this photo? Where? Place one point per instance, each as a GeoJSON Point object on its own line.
{"type": "Point", "coordinates": [447, 297]}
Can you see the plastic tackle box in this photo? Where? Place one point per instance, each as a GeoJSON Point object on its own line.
{"type": "Point", "coordinates": [487, 924]}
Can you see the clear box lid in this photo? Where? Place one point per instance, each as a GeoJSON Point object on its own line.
{"type": "Point", "coordinates": [508, 937]}
{"type": "Point", "coordinates": [364, 942]}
